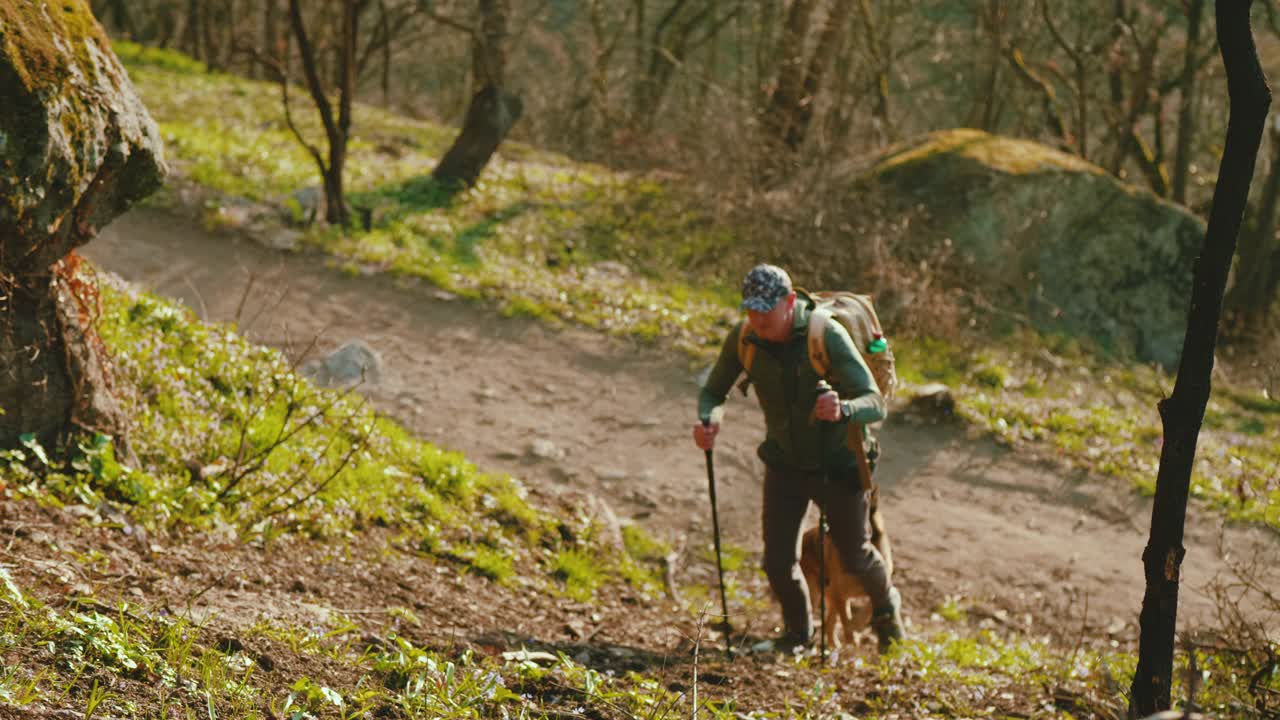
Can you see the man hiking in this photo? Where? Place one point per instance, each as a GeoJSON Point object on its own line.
{"type": "Point", "coordinates": [802, 425]}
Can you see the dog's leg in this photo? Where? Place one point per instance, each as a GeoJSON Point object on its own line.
{"type": "Point", "coordinates": [833, 616]}
{"type": "Point", "coordinates": [846, 620]}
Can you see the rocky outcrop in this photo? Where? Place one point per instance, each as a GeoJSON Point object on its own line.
{"type": "Point", "coordinates": [1049, 236]}
{"type": "Point", "coordinates": [77, 148]}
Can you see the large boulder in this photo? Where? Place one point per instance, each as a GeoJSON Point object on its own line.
{"type": "Point", "coordinates": [77, 148]}
{"type": "Point", "coordinates": [1054, 236]}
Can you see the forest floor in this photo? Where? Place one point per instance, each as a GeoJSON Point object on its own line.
{"type": "Point", "coordinates": [1009, 537]}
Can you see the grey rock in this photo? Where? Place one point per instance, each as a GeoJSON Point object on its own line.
{"type": "Point", "coordinates": [1069, 246]}
{"type": "Point", "coordinates": [544, 449]}
{"type": "Point", "coordinates": [354, 362]}
{"type": "Point", "coordinates": [304, 206]}
{"type": "Point", "coordinates": [933, 400]}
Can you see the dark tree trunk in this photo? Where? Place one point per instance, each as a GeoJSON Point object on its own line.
{"type": "Point", "coordinates": [122, 19]}
{"type": "Point", "coordinates": [493, 110]}
{"type": "Point", "coordinates": [1258, 271]}
{"type": "Point", "coordinates": [36, 390]}
{"type": "Point", "coordinates": [490, 117]}
{"type": "Point", "coordinates": [1183, 412]}
{"type": "Point", "coordinates": [211, 57]}
{"type": "Point", "coordinates": [337, 129]}
{"type": "Point", "coordinates": [190, 43]}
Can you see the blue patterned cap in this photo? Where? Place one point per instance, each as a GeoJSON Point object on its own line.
{"type": "Point", "coordinates": [764, 286]}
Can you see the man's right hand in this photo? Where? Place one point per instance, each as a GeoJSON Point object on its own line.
{"type": "Point", "coordinates": [704, 436]}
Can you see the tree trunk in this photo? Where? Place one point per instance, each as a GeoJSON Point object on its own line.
{"type": "Point", "coordinates": [211, 57]}
{"type": "Point", "coordinates": [337, 130]}
{"type": "Point", "coordinates": [35, 387]}
{"type": "Point", "coordinates": [1183, 412]}
{"type": "Point", "coordinates": [1186, 116]}
{"type": "Point", "coordinates": [191, 44]}
{"type": "Point", "coordinates": [1258, 271]}
{"type": "Point", "coordinates": [1053, 123]}
{"type": "Point", "coordinates": [123, 19]}
{"type": "Point", "coordinates": [985, 114]}
{"type": "Point", "coordinates": [493, 110]}
{"type": "Point", "coordinates": [830, 42]}
{"type": "Point", "coordinates": [781, 107]}
{"type": "Point", "coordinates": [880, 49]}
{"type": "Point", "coordinates": [490, 117]}
{"type": "Point", "coordinates": [346, 95]}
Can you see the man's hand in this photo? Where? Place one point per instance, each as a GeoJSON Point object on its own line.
{"type": "Point", "coordinates": [827, 407]}
{"type": "Point", "coordinates": [704, 436]}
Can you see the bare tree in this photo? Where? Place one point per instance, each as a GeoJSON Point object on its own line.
{"type": "Point", "coordinates": [662, 49]}
{"type": "Point", "coordinates": [788, 110]}
{"type": "Point", "coordinates": [493, 110]}
{"type": "Point", "coordinates": [1257, 279]}
{"type": "Point", "coordinates": [1182, 413]}
{"type": "Point", "coordinates": [337, 128]}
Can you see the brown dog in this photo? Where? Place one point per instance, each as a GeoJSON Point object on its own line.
{"type": "Point", "coordinates": [844, 590]}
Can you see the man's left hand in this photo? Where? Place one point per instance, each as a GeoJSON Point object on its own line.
{"type": "Point", "coordinates": [828, 407]}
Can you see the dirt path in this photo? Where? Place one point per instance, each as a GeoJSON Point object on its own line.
{"type": "Point", "coordinates": [999, 530]}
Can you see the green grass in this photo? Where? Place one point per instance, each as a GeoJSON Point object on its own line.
{"type": "Point", "coordinates": [224, 432]}
{"type": "Point", "coordinates": [544, 237]}
{"type": "Point", "coordinates": [530, 237]}
{"type": "Point", "coordinates": [277, 456]}
{"type": "Point", "coordinates": [1100, 414]}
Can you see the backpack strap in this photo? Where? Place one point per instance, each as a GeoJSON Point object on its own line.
{"type": "Point", "coordinates": [821, 362]}
{"type": "Point", "coordinates": [818, 357]}
{"type": "Point", "coordinates": [746, 348]}
{"type": "Point", "coordinates": [746, 355]}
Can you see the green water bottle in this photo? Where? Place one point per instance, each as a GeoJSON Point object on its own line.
{"type": "Point", "coordinates": [878, 345]}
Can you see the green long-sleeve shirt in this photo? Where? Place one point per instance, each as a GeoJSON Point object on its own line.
{"type": "Point", "coordinates": [786, 386]}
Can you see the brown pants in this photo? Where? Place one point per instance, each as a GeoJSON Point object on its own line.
{"type": "Point", "coordinates": [787, 494]}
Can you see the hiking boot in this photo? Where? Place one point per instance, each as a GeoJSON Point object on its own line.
{"type": "Point", "coordinates": [789, 643]}
{"type": "Point", "coordinates": [887, 622]}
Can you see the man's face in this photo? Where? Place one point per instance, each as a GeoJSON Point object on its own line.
{"type": "Point", "coordinates": [776, 324]}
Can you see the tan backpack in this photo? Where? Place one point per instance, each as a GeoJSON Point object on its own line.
{"type": "Point", "coordinates": [858, 316]}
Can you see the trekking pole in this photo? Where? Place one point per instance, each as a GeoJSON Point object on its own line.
{"type": "Point", "coordinates": [823, 387]}
{"type": "Point", "coordinates": [715, 527]}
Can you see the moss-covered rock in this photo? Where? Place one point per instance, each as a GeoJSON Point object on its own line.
{"type": "Point", "coordinates": [77, 147]}
{"type": "Point", "coordinates": [1066, 243]}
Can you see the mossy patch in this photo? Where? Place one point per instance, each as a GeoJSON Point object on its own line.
{"type": "Point", "coordinates": [1005, 154]}
{"type": "Point", "coordinates": [46, 43]}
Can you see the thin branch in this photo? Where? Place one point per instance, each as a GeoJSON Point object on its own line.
{"type": "Point", "coordinates": [448, 22]}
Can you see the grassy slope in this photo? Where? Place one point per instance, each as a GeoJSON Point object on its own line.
{"type": "Point", "coordinates": [229, 440]}
{"type": "Point", "coordinates": [338, 469]}
{"type": "Point", "coordinates": [544, 236]}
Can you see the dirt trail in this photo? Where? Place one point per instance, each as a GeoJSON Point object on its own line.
{"type": "Point", "coordinates": [967, 517]}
